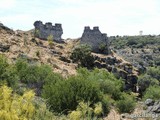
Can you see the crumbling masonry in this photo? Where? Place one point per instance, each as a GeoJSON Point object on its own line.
{"type": "Point", "coordinates": [42, 31]}
{"type": "Point", "coordinates": [95, 39]}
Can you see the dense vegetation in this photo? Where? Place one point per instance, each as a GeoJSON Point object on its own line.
{"type": "Point", "coordinates": [134, 41]}
{"type": "Point", "coordinates": [95, 90]}
{"type": "Point", "coordinates": [82, 55]}
{"type": "Point", "coordinates": [87, 95]}
{"type": "Point", "coordinates": [149, 83]}
{"type": "Point", "coordinates": [25, 107]}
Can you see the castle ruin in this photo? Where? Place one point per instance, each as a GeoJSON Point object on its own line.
{"type": "Point", "coordinates": [98, 41]}
{"type": "Point", "coordinates": [42, 31]}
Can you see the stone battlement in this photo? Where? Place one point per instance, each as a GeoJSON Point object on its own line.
{"type": "Point", "coordinates": [95, 39]}
{"type": "Point", "coordinates": [47, 29]}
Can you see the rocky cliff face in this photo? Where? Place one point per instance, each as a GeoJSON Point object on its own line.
{"type": "Point", "coordinates": [42, 31]}
{"type": "Point", "coordinates": [119, 67]}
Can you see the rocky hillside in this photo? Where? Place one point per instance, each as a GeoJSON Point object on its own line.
{"type": "Point", "coordinates": [14, 44]}
{"type": "Point", "coordinates": [141, 51]}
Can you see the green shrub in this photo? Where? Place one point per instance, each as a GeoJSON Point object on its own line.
{"type": "Point", "coordinates": [93, 86]}
{"type": "Point", "coordinates": [132, 42]}
{"type": "Point", "coordinates": [11, 76]}
{"type": "Point", "coordinates": [41, 110]}
{"type": "Point", "coordinates": [85, 112]}
{"type": "Point", "coordinates": [36, 33]}
{"type": "Point", "coordinates": [157, 61]}
{"type": "Point", "coordinates": [32, 73]}
{"type": "Point", "coordinates": [50, 40]}
{"type": "Point", "coordinates": [21, 66]}
{"type": "Point", "coordinates": [3, 65]}
{"type": "Point", "coordinates": [108, 83]}
{"type": "Point", "coordinates": [154, 72]}
{"type": "Point", "coordinates": [65, 95]}
{"type": "Point", "coordinates": [126, 104]}
{"type": "Point", "coordinates": [144, 81]}
{"type": "Point", "coordinates": [82, 55]}
{"type": "Point", "coordinates": [103, 48]}
{"type": "Point", "coordinates": [52, 78]}
{"type": "Point", "coordinates": [8, 73]}
{"type": "Point", "coordinates": [153, 92]}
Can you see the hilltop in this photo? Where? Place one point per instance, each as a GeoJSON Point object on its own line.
{"type": "Point", "coordinates": [15, 44]}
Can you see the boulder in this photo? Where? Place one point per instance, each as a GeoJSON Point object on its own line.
{"type": "Point", "coordinates": [132, 78]}
{"type": "Point", "coordinates": [64, 59]}
{"type": "Point", "coordinates": [123, 74]}
{"type": "Point", "coordinates": [149, 102]}
{"type": "Point", "coordinates": [4, 48]}
{"type": "Point", "coordinates": [97, 64]}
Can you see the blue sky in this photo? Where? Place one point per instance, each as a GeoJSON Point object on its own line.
{"type": "Point", "coordinates": [114, 17]}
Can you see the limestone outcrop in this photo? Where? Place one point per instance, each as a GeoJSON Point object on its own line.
{"type": "Point", "coordinates": [42, 31]}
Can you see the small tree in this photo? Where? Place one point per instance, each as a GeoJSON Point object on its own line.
{"type": "Point", "coordinates": [82, 55]}
{"type": "Point", "coordinates": [36, 33]}
{"type": "Point", "coordinates": [50, 40]}
{"type": "Point", "coordinates": [153, 92]}
{"type": "Point", "coordinates": [126, 104]}
{"type": "Point", "coordinates": [103, 48]}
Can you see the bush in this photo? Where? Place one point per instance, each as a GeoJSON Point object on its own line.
{"type": "Point", "coordinates": [103, 48]}
{"type": "Point", "coordinates": [157, 61]}
{"type": "Point", "coordinates": [13, 106]}
{"type": "Point", "coordinates": [32, 73]}
{"type": "Point", "coordinates": [132, 41]}
{"type": "Point", "coordinates": [153, 92]}
{"type": "Point", "coordinates": [126, 104]}
{"type": "Point", "coordinates": [108, 83]}
{"type": "Point", "coordinates": [25, 107]}
{"type": "Point", "coordinates": [8, 73]}
{"type": "Point", "coordinates": [93, 86]}
{"type": "Point", "coordinates": [65, 95]}
{"type": "Point", "coordinates": [11, 76]}
{"type": "Point", "coordinates": [50, 40]}
{"type": "Point", "coordinates": [154, 72]}
{"type": "Point", "coordinates": [85, 112]}
{"type": "Point", "coordinates": [135, 41]}
{"type": "Point", "coordinates": [144, 81]}
{"type": "Point", "coordinates": [41, 110]}
{"type": "Point", "coordinates": [3, 65]}
{"type": "Point", "coordinates": [82, 55]}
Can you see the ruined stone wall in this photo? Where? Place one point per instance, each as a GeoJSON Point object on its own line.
{"type": "Point", "coordinates": [95, 39]}
{"type": "Point", "coordinates": [47, 29]}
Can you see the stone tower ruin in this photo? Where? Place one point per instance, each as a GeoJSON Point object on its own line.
{"type": "Point", "coordinates": [44, 30]}
{"type": "Point", "coordinates": [95, 39]}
